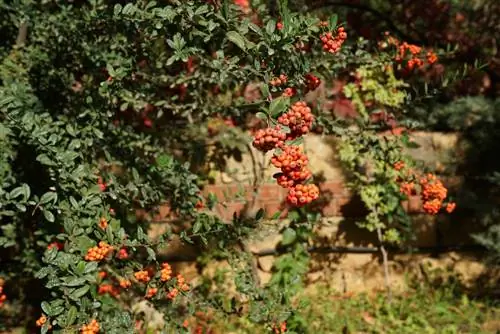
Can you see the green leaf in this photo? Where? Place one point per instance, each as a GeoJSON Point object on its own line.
{"type": "Point", "coordinates": [46, 308]}
{"type": "Point", "coordinates": [332, 23]}
{"type": "Point", "coordinates": [237, 39]}
{"type": "Point", "coordinates": [289, 236]}
{"type": "Point", "coordinates": [197, 226]}
{"type": "Point", "coordinates": [151, 254]}
{"type": "Point", "coordinates": [90, 267]}
{"type": "Point", "coordinates": [270, 27]}
{"type": "Point", "coordinates": [74, 281]}
{"type": "Point", "coordinates": [16, 192]}
{"type": "Point", "coordinates": [260, 214]}
{"type": "Point", "coordinates": [49, 196]}
{"type": "Point", "coordinates": [262, 115]}
{"type": "Point", "coordinates": [80, 292]}
{"type": "Point", "coordinates": [276, 215]}
{"type": "Point", "coordinates": [71, 316]}
{"type": "Point", "coordinates": [117, 9]}
{"type": "Point", "coordinates": [49, 216]}
{"type": "Point", "coordinates": [278, 105]}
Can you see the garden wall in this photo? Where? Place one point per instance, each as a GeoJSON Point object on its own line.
{"type": "Point", "coordinates": [362, 271]}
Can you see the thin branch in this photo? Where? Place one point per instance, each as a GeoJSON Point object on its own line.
{"type": "Point", "coordinates": [22, 34]}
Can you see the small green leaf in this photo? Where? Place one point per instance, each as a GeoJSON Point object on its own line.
{"type": "Point", "coordinates": [46, 308]}
{"type": "Point", "coordinates": [262, 115]}
{"type": "Point", "coordinates": [276, 215]}
{"type": "Point", "coordinates": [49, 196]}
{"type": "Point", "coordinates": [80, 292]}
{"type": "Point", "coordinates": [71, 316]}
{"type": "Point", "coordinates": [260, 214]}
{"type": "Point", "coordinates": [289, 236]}
{"type": "Point", "coordinates": [332, 24]}
{"type": "Point", "coordinates": [237, 39]}
{"type": "Point", "coordinates": [49, 216]}
{"type": "Point", "coordinates": [278, 105]}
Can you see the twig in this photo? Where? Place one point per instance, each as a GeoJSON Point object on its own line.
{"type": "Point", "coordinates": [385, 264]}
{"type": "Point", "coordinates": [22, 34]}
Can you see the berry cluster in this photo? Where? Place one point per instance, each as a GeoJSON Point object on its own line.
{"type": "Point", "coordinates": [91, 328]}
{"type": "Point", "coordinates": [122, 254]}
{"type": "Point", "coordinates": [433, 194]}
{"type": "Point", "coordinates": [142, 276]}
{"type": "Point", "coordinates": [125, 283]}
{"type": "Point", "coordinates": [289, 92]}
{"type": "Point", "coordinates": [292, 163]}
{"type": "Point", "coordinates": [166, 272]}
{"type": "Point", "coordinates": [99, 252]}
{"type": "Point", "coordinates": [278, 81]}
{"type": "Point", "coordinates": [41, 321]}
{"type": "Point", "coordinates": [302, 194]}
{"type": "Point", "coordinates": [291, 160]}
{"type": "Point", "coordinates": [332, 43]}
{"type": "Point", "coordinates": [108, 289]}
{"type": "Point", "coordinates": [181, 283]}
{"type": "Point", "coordinates": [413, 54]}
{"type": "Point", "coordinates": [269, 138]}
{"type": "Point", "coordinates": [298, 118]}
{"type": "Point", "coordinates": [151, 292]}
{"type": "Point", "coordinates": [312, 81]}
{"type": "Point", "coordinates": [432, 191]}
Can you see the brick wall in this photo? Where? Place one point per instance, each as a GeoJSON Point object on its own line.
{"type": "Point", "coordinates": [234, 188]}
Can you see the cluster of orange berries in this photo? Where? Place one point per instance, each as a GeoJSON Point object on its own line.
{"type": "Point", "coordinates": [433, 194]}
{"type": "Point", "coordinates": [332, 43]}
{"type": "Point", "coordinates": [108, 289]}
{"type": "Point", "coordinates": [166, 272]}
{"type": "Point", "coordinates": [99, 252]}
{"type": "Point", "coordinates": [293, 165]}
{"type": "Point", "coordinates": [291, 160]}
{"type": "Point", "coordinates": [278, 81]}
{"type": "Point", "coordinates": [91, 328]}
{"type": "Point", "coordinates": [417, 56]}
{"type": "Point", "coordinates": [3, 297]}
{"type": "Point", "coordinates": [269, 138]}
{"type": "Point", "coordinates": [41, 321]}
{"type": "Point", "coordinates": [142, 276]}
{"type": "Point", "coordinates": [298, 118]}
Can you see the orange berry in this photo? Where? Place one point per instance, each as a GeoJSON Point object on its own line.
{"type": "Point", "coordinates": [151, 292]}
{"type": "Point", "coordinates": [103, 223]}
{"type": "Point", "coordinates": [450, 207]}
{"type": "Point", "coordinates": [142, 276]}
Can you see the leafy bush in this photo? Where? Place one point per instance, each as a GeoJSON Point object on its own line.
{"type": "Point", "coordinates": [108, 108]}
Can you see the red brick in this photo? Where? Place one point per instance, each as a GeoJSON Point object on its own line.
{"type": "Point", "coordinates": [275, 207]}
{"type": "Point", "coordinates": [414, 204]}
{"type": "Point", "coordinates": [270, 192]}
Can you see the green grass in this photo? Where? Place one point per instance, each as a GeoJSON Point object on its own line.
{"type": "Point", "coordinates": [419, 311]}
